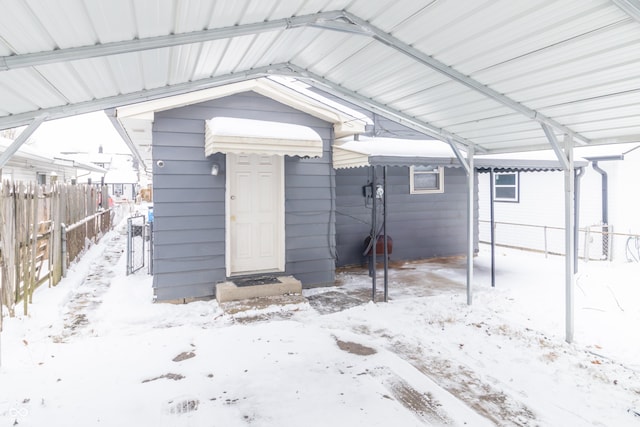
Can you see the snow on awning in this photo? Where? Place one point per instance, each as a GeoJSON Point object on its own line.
{"type": "Point", "coordinates": [392, 152]}
{"type": "Point", "coordinates": [245, 136]}
{"type": "Point", "coordinates": [403, 152]}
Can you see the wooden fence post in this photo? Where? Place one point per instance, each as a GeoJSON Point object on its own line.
{"type": "Point", "coordinates": [35, 199]}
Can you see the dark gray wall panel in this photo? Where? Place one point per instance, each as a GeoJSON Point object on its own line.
{"type": "Point", "coordinates": [421, 225]}
{"type": "Point", "coordinates": [185, 181]}
{"type": "Point", "coordinates": [179, 153]}
{"type": "Point", "coordinates": [180, 278]}
{"type": "Point", "coordinates": [190, 194]}
{"type": "Point", "coordinates": [176, 138]}
{"type": "Point", "coordinates": [178, 292]}
{"type": "Point", "coordinates": [189, 250]}
{"type": "Point", "coordinates": [183, 264]}
{"type": "Point", "coordinates": [169, 124]}
{"type": "Point", "coordinates": [307, 218]}
{"type": "Point", "coordinates": [194, 208]}
{"type": "Point", "coordinates": [187, 222]}
{"type": "Point", "coordinates": [305, 206]}
{"type": "Point", "coordinates": [185, 236]}
{"type": "Point", "coordinates": [307, 167]}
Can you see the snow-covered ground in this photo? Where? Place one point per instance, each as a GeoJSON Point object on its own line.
{"type": "Point", "coordinates": [95, 350]}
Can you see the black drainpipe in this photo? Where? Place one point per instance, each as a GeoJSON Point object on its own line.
{"type": "Point", "coordinates": [605, 196]}
{"type": "Point", "coordinates": [605, 191]}
{"type": "Point", "coordinates": [576, 216]}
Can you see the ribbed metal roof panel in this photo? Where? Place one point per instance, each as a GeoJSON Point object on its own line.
{"type": "Point", "coordinates": [16, 16]}
{"type": "Point", "coordinates": [73, 90]}
{"type": "Point", "coordinates": [32, 88]}
{"type": "Point", "coordinates": [112, 21]}
{"type": "Point", "coordinates": [573, 61]}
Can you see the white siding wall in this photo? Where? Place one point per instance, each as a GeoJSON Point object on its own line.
{"type": "Point", "coordinates": [542, 204]}
{"type": "Point", "coordinates": [624, 199]}
{"type": "Point", "coordinates": [18, 174]}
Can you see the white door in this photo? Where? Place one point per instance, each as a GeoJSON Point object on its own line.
{"type": "Point", "coordinates": [255, 214]}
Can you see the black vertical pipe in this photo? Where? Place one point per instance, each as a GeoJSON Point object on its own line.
{"type": "Point", "coordinates": [384, 231]}
{"type": "Point", "coordinates": [605, 204]}
{"type": "Point", "coordinates": [492, 231]}
{"type": "Point", "coordinates": [374, 233]}
{"type": "Point", "coordinates": [605, 192]}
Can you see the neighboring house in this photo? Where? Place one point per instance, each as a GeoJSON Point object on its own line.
{"type": "Point", "coordinates": [119, 174]}
{"type": "Point", "coordinates": [99, 159]}
{"type": "Point", "coordinates": [122, 182]}
{"type": "Point", "coordinates": [529, 208]}
{"type": "Point", "coordinates": [248, 180]}
{"type": "Point", "coordinates": [31, 165]}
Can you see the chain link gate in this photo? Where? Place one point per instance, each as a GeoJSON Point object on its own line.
{"type": "Point", "coordinates": [135, 243]}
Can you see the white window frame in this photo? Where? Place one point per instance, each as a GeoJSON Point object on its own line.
{"type": "Point", "coordinates": [516, 185]}
{"type": "Point", "coordinates": [41, 178]}
{"type": "Point", "coordinates": [412, 172]}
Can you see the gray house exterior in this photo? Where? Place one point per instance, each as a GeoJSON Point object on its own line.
{"type": "Point", "coordinates": [189, 203]}
{"type": "Point", "coordinates": [421, 225]}
{"type": "Point", "coordinates": [325, 217]}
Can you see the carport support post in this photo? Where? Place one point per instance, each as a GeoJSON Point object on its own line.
{"type": "Point", "coordinates": [374, 232]}
{"type": "Point", "coordinates": [565, 157]}
{"type": "Point", "coordinates": [569, 195]}
{"type": "Point", "coordinates": [470, 217]}
{"type": "Point", "coordinates": [492, 224]}
{"type": "Point", "coordinates": [384, 231]}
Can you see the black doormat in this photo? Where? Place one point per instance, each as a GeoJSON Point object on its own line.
{"type": "Point", "coordinates": [253, 281]}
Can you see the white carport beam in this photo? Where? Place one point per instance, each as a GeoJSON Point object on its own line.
{"type": "Point", "coordinates": [565, 156]}
{"type": "Point", "coordinates": [553, 141]}
{"type": "Point", "coordinates": [453, 74]}
{"type": "Point", "coordinates": [456, 150]}
{"type": "Point", "coordinates": [134, 97]}
{"type": "Point", "coordinates": [137, 45]}
{"type": "Point", "coordinates": [569, 242]}
{"type": "Point", "coordinates": [111, 114]}
{"type": "Point", "coordinates": [631, 7]}
{"type": "Point", "coordinates": [374, 106]}
{"type": "Point", "coordinates": [21, 139]}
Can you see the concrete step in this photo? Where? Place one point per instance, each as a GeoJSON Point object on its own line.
{"type": "Point", "coordinates": [229, 291]}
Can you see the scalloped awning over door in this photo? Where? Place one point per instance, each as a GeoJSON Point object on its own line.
{"type": "Point", "coordinates": [245, 136]}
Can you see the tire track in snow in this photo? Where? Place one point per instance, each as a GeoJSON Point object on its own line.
{"type": "Point", "coordinates": [461, 381]}
{"type": "Point", "coordinates": [423, 404]}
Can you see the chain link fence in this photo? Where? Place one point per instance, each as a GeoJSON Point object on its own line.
{"type": "Point", "coordinates": [595, 243]}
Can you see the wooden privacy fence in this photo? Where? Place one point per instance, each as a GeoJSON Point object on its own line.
{"type": "Point", "coordinates": [32, 231]}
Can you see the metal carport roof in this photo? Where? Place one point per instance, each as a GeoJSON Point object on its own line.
{"type": "Point", "coordinates": [485, 73]}
{"type": "Point", "coordinates": [487, 76]}
{"type": "Point", "coordinates": [400, 152]}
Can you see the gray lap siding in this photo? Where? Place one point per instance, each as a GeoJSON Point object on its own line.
{"type": "Point", "coordinates": [189, 203]}
{"type": "Point", "coordinates": [421, 225]}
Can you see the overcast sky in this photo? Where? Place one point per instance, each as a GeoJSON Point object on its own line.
{"type": "Point", "coordinates": [83, 133]}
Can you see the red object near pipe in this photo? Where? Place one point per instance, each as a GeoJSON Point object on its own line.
{"type": "Point", "coordinates": [379, 245]}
